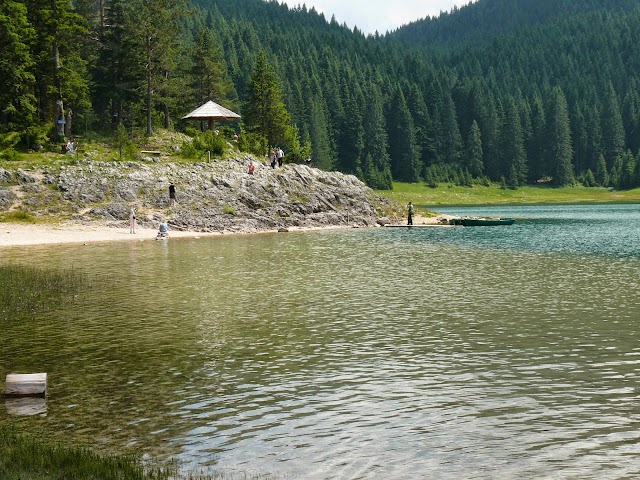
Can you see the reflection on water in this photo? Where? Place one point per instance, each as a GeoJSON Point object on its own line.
{"type": "Point", "coordinates": [433, 353]}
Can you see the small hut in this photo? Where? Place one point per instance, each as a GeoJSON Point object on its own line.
{"type": "Point", "coordinates": [211, 112]}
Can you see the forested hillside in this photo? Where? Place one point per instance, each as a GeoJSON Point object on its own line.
{"type": "Point", "coordinates": [499, 90]}
{"type": "Point", "coordinates": [483, 21]}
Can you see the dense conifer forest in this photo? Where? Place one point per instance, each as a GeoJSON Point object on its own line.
{"type": "Point", "coordinates": [510, 91]}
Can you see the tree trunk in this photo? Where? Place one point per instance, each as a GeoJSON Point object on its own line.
{"type": "Point", "coordinates": [101, 15]}
{"type": "Point", "coordinates": [149, 68]}
{"type": "Point", "coordinates": [67, 126]}
{"type": "Point", "coordinates": [59, 125]}
{"type": "Point", "coordinates": [167, 118]}
{"type": "Point", "coordinates": [59, 113]}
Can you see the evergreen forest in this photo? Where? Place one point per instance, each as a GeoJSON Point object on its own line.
{"type": "Point", "coordinates": [510, 91]}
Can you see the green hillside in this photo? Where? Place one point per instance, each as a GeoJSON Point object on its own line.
{"type": "Point", "coordinates": [514, 92]}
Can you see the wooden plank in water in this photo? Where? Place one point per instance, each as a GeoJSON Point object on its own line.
{"type": "Point", "coordinates": [26, 385]}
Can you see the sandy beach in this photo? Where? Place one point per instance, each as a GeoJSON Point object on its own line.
{"type": "Point", "coordinates": [16, 234]}
{"type": "Point", "coordinates": [19, 234]}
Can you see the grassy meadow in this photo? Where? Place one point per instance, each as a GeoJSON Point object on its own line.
{"type": "Point", "coordinates": [430, 198]}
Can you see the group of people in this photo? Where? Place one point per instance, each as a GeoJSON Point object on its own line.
{"type": "Point", "coordinates": [163, 231]}
{"type": "Point", "coordinates": [276, 157]}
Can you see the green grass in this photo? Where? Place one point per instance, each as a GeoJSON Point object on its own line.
{"type": "Point", "coordinates": [27, 457]}
{"type": "Point", "coordinates": [23, 457]}
{"type": "Point", "coordinates": [100, 147]}
{"type": "Point", "coordinates": [426, 197]}
{"type": "Point", "coordinates": [20, 216]}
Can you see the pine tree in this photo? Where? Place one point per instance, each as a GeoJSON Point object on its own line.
{"type": "Point", "coordinates": [350, 138]}
{"type": "Point", "coordinates": [473, 159]}
{"type": "Point", "coordinates": [209, 77]}
{"type": "Point", "coordinates": [377, 168]}
{"type": "Point", "coordinates": [559, 150]}
{"type": "Point", "coordinates": [17, 103]}
{"type": "Point", "coordinates": [156, 25]}
{"type": "Point", "coordinates": [422, 122]}
{"type": "Point", "coordinates": [514, 158]}
{"type": "Point", "coordinates": [119, 71]}
{"type": "Point", "coordinates": [451, 140]}
{"type": "Point", "coordinates": [602, 175]}
{"type": "Point", "coordinates": [580, 139]}
{"type": "Point", "coordinates": [61, 74]}
{"type": "Point", "coordinates": [631, 115]}
{"type": "Point", "coordinates": [537, 142]}
{"type": "Point", "coordinates": [265, 113]}
{"type": "Point", "coordinates": [319, 135]}
{"type": "Point", "coordinates": [612, 127]}
{"type": "Point", "coordinates": [405, 163]}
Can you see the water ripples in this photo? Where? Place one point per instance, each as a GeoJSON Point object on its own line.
{"type": "Point", "coordinates": [355, 354]}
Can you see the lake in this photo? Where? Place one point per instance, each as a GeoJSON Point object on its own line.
{"type": "Point", "coordinates": [462, 352]}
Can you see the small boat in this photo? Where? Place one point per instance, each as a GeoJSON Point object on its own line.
{"type": "Point", "coordinates": [485, 222]}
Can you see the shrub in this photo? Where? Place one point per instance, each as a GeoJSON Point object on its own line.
{"type": "Point", "coordinates": [204, 142]}
{"type": "Point", "coordinates": [9, 154]}
{"type": "Point", "coordinates": [252, 143]}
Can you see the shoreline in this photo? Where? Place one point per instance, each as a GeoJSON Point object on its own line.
{"type": "Point", "coordinates": [13, 234]}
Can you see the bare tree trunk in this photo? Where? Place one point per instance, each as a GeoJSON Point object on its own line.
{"type": "Point", "coordinates": [59, 125]}
{"type": "Point", "coordinates": [101, 15]}
{"type": "Point", "coordinates": [59, 114]}
{"type": "Point", "coordinates": [67, 125]}
{"type": "Point", "coordinates": [149, 90]}
{"type": "Point", "coordinates": [167, 117]}
{"type": "Point", "coordinates": [149, 125]}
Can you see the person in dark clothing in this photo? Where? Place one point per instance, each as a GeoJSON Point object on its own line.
{"type": "Point", "coordinates": [172, 194]}
{"type": "Point", "coordinates": [410, 216]}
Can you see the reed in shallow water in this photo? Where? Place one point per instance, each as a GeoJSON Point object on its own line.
{"type": "Point", "coordinates": [26, 458]}
{"type": "Point", "coordinates": [29, 291]}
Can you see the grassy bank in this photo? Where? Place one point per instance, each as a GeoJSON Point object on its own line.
{"type": "Point", "coordinates": [424, 196]}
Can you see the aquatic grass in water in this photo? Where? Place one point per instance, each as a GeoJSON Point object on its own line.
{"type": "Point", "coordinates": [26, 458]}
{"type": "Point", "coordinates": [28, 291]}
{"type": "Point", "coordinates": [23, 457]}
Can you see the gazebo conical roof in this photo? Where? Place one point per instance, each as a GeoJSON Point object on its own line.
{"type": "Point", "coordinates": [211, 111]}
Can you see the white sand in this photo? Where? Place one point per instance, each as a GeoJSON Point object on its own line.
{"type": "Point", "coordinates": [17, 234]}
{"type": "Point", "coordinates": [14, 234]}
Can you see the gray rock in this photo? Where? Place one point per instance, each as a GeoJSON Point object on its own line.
{"type": "Point", "coordinates": [6, 198]}
{"type": "Point", "coordinates": [25, 177]}
{"type": "Point", "coordinates": [6, 176]}
{"type": "Point", "coordinates": [218, 196]}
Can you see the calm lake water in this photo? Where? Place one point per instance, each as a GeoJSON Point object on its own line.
{"type": "Point", "coordinates": [486, 352]}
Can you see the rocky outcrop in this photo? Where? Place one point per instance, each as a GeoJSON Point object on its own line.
{"type": "Point", "coordinates": [6, 198]}
{"type": "Point", "coordinates": [219, 196]}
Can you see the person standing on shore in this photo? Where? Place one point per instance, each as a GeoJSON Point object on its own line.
{"type": "Point", "coordinates": [132, 219]}
{"type": "Point", "coordinates": [410, 214]}
{"type": "Point", "coordinates": [172, 194]}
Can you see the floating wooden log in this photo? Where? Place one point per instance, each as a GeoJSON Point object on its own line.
{"type": "Point", "coordinates": [26, 385]}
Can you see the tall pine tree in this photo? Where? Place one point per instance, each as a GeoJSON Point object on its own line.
{"type": "Point", "coordinates": [559, 149]}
